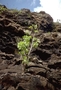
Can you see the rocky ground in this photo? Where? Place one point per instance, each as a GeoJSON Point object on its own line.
{"type": "Point", "coordinates": [43, 72]}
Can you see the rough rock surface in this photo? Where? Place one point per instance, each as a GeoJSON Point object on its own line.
{"type": "Point", "coordinates": [43, 71]}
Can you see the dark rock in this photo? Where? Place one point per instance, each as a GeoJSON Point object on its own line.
{"type": "Point", "coordinates": [44, 20]}
{"type": "Point", "coordinates": [11, 88]}
{"type": "Point", "coordinates": [57, 27]}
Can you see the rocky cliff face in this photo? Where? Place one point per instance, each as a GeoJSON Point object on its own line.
{"type": "Point", "coordinates": [43, 71]}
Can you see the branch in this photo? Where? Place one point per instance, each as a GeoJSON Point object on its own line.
{"type": "Point", "coordinates": [31, 45]}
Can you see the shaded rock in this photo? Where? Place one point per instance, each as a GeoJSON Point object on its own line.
{"type": "Point", "coordinates": [37, 71]}
{"type": "Point", "coordinates": [7, 35]}
{"type": "Point", "coordinates": [55, 78]}
{"type": "Point", "coordinates": [54, 64]}
{"type": "Point", "coordinates": [57, 27]}
{"type": "Point", "coordinates": [44, 20]}
{"type": "Point", "coordinates": [49, 46]}
{"type": "Point", "coordinates": [25, 18]}
{"type": "Point", "coordinates": [11, 88]}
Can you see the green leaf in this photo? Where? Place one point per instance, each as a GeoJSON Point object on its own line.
{"type": "Point", "coordinates": [35, 44]}
{"type": "Point", "coordinates": [34, 39]}
{"type": "Point", "coordinates": [25, 60]}
{"type": "Point", "coordinates": [26, 38]}
{"type": "Point", "coordinates": [27, 51]}
{"type": "Point", "coordinates": [22, 52]}
{"type": "Point", "coordinates": [27, 32]}
{"type": "Point", "coordinates": [38, 40]}
{"type": "Point", "coordinates": [30, 27]}
{"type": "Point", "coordinates": [35, 31]}
{"type": "Point", "coordinates": [35, 26]}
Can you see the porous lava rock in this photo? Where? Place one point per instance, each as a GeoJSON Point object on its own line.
{"type": "Point", "coordinates": [43, 71]}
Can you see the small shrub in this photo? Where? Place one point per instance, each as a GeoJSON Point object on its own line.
{"type": "Point", "coordinates": [25, 47]}
{"type": "Point", "coordinates": [28, 42]}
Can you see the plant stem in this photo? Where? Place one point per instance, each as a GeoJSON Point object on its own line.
{"type": "Point", "coordinates": [31, 45]}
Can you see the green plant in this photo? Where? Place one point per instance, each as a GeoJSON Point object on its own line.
{"type": "Point", "coordinates": [2, 9]}
{"type": "Point", "coordinates": [28, 42]}
{"type": "Point", "coordinates": [14, 11]}
{"type": "Point", "coordinates": [33, 26]}
{"type": "Point", "coordinates": [25, 47]}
